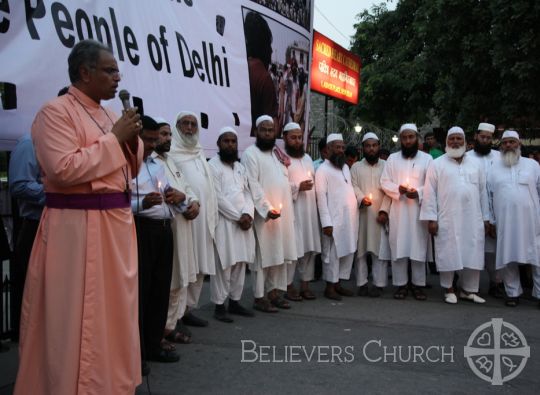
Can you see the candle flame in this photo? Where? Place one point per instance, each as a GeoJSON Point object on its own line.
{"type": "Point", "coordinates": [370, 196]}
{"type": "Point", "coordinates": [280, 206]}
{"type": "Point", "coordinates": [159, 184]}
{"type": "Point", "coordinates": [309, 174]}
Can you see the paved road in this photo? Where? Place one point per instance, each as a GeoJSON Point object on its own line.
{"type": "Point", "coordinates": [353, 334]}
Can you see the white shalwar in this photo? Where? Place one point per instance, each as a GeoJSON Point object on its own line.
{"type": "Point", "coordinates": [275, 239]}
{"type": "Point", "coordinates": [366, 181]}
{"type": "Point", "coordinates": [234, 247]}
{"type": "Point", "coordinates": [514, 195]}
{"type": "Point", "coordinates": [306, 220]}
{"type": "Point", "coordinates": [455, 197]}
{"type": "Point", "coordinates": [184, 264]}
{"type": "Point", "coordinates": [337, 209]}
{"type": "Point", "coordinates": [408, 236]}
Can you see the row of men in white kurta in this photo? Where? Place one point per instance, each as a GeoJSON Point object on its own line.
{"type": "Point", "coordinates": [268, 181]}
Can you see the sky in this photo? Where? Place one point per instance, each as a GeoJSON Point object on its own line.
{"type": "Point", "coordinates": [336, 18]}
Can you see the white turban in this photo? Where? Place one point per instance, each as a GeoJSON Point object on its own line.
{"type": "Point", "coordinates": [510, 134]}
{"type": "Point", "coordinates": [455, 130]}
{"type": "Point", "coordinates": [291, 126]}
{"type": "Point", "coordinates": [227, 129]}
{"type": "Point", "coordinates": [370, 135]}
{"type": "Point", "coordinates": [183, 114]}
{"type": "Point", "coordinates": [263, 118]}
{"type": "Point", "coordinates": [408, 126]}
{"type": "Point", "coordinates": [334, 137]}
{"type": "Point", "coordinates": [486, 127]}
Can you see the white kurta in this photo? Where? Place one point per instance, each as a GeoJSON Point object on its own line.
{"type": "Point", "coordinates": [408, 236]}
{"type": "Point", "coordinates": [366, 179]}
{"type": "Point", "coordinates": [486, 161]}
{"type": "Point", "coordinates": [234, 199]}
{"type": "Point", "coordinates": [513, 192]}
{"type": "Point", "coordinates": [269, 186]}
{"type": "Point", "coordinates": [306, 220]}
{"type": "Point", "coordinates": [194, 170]}
{"type": "Point", "coordinates": [337, 208]}
{"type": "Point", "coordinates": [184, 264]}
{"type": "Point", "coordinates": [455, 196]}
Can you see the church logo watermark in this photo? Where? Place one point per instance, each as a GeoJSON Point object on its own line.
{"type": "Point", "coordinates": [497, 351]}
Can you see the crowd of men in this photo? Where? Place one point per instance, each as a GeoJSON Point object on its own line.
{"type": "Point", "coordinates": [135, 217]}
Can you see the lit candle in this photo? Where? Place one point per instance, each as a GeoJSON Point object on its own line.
{"type": "Point", "coordinates": [309, 175]}
{"type": "Point", "coordinates": [370, 196]}
{"type": "Point", "coordinates": [407, 183]}
{"type": "Point", "coordinates": [159, 186]}
{"type": "Point", "coordinates": [280, 207]}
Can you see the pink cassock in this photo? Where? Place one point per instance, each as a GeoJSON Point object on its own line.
{"type": "Point", "coordinates": [79, 329]}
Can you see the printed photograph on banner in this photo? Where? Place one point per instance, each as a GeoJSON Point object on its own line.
{"type": "Point", "coordinates": [298, 11]}
{"type": "Point", "coordinates": [278, 59]}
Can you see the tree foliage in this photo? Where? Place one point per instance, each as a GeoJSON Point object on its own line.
{"type": "Point", "coordinates": [463, 61]}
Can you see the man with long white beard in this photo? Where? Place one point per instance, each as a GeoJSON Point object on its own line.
{"type": "Point", "coordinates": [514, 187]}
{"type": "Point", "coordinates": [266, 168]}
{"type": "Point", "coordinates": [374, 206]}
{"type": "Point", "coordinates": [188, 156]}
{"type": "Point", "coordinates": [338, 212]}
{"type": "Point", "coordinates": [455, 205]}
{"type": "Point", "coordinates": [308, 236]}
{"type": "Point", "coordinates": [403, 181]}
{"type": "Point", "coordinates": [235, 241]}
{"type": "Point", "coordinates": [485, 156]}
{"type": "Point", "coordinates": [184, 264]}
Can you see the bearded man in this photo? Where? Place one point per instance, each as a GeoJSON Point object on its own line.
{"type": "Point", "coordinates": [403, 181]}
{"type": "Point", "coordinates": [456, 207]}
{"type": "Point", "coordinates": [268, 178]}
{"type": "Point", "coordinates": [308, 236]}
{"type": "Point", "coordinates": [485, 156]}
{"type": "Point", "coordinates": [514, 187]}
{"type": "Point", "coordinates": [338, 212]}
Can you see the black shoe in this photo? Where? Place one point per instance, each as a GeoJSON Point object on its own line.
{"type": "Point", "coordinates": [165, 356]}
{"type": "Point", "coordinates": [497, 291]}
{"type": "Point", "coordinates": [181, 327]}
{"type": "Point", "coordinates": [191, 320]}
{"type": "Point", "coordinates": [238, 309]}
{"type": "Point", "coordinates": [375, 292]}
{"type": "Point", "coordinates": [363, 290]}
{"type": "Point", "coordinates": [145, 368]}
{"type": "Point", "coordinates": [220, 314]}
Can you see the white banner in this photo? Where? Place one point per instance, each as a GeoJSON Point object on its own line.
{"type": "Point", "coordinates": [175, 55]}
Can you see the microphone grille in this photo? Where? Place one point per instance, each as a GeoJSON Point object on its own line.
{"type": "Point", "coordinates": [123, 95]}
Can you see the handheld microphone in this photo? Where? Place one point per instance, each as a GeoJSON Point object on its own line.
{"type": "Point", "coordinates": [124, 97]}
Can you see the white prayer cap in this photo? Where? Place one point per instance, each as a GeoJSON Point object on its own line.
{"type": "Point", "coordinates": [455, 130]}
{"type": "Point", "coordinates": [408, 126]}
{"type": "Point", "coordinates": [227, 129]}
{"type": "Point", "coordinates": [486, 127]}
{"type": "Point", "coordinates": [370, 135]}
{"type": "Point", "coordinates": [510, 134]}
{"type": "Point", "coordinates": [263, 118]}
{"type": "Point", "coordinates": [334, 137]}
{"type": "Point", "coordinates": [291, 126]}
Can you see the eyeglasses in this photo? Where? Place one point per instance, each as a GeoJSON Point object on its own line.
{"type": "Point", "coordinates": [111, 71]}
{"type": "Point", "coordinates": [185, 122]}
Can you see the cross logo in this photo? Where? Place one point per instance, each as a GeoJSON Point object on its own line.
{"type": "Point", "coordinates": [497, 351]}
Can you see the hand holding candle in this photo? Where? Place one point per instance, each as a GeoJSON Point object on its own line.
{"type": "Point", "coordinates": [405, 188]}
{"type": "Point", "coordinates": [367, 200]}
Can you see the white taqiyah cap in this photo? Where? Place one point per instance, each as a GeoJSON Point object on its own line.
{"type": "Point", "coordinates": [486, 127]}
{"type": "Point", "coordinates": [334, 137]}
{"type": "Point", "coordinates": [510, 134]}
{"type": "Point", "coordinates": [455, 130]}
{"type": "Point", "coordinates": [227, 129]}
{"type": "Point", "coordinates": [263, 118]}
{"type": "Point", "coordinates": [408, 126]}
{"type": "Point", "coordinates": [161, 121]}
{"type": "Point", "coordinates": [291, 126]}
{"type": "Point", "coordinates": [370, 135]}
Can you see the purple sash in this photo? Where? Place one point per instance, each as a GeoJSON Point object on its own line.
{"type": "Point", "coordinates": [88, 201]}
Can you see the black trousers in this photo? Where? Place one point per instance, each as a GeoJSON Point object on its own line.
{"type": "Point", "coordinates": [21, 256]}
{"type": "Point", "coordinates": [155, 245]}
